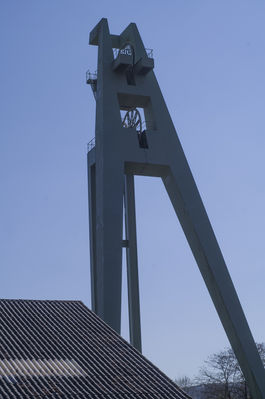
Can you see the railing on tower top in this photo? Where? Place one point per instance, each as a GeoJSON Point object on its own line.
{"type": "Point", "coordinates": [91, 144]}
{"type": "Point", "coordinates": [149, 52]}
{"type": "Point", "coordinates": [91, 76]}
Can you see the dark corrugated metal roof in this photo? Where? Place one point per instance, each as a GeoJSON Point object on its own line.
{"type": "Point", "coordinates": [60, 349]}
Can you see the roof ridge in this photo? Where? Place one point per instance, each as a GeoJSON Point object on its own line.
{"type": "Point", "coordinates": [41, 300]}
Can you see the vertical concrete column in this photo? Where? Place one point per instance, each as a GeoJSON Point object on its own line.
{"type": "Point", "coordinates": [132, 264]}
{"type": "Point", "coordinates": [91, 170]}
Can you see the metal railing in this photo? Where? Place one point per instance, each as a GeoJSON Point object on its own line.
{"type": "Point", "coordinates": [149, 52]}
{"type": "Point", "coordinates": [91, 144]}
{"type": "Point", "coordinates": [91, 76]}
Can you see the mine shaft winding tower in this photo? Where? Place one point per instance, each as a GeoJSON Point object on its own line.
{"type": "Point", "coordinates": [136, 136]}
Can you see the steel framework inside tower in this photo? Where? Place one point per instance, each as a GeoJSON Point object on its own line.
{"type": "Point", "coordinates": [145, 142]}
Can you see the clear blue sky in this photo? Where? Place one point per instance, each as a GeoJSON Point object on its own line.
{"type": "Point", "coordinates": [210, 63]}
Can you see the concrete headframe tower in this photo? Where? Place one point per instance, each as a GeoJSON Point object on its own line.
{"type": "Point", "coordinates": [135, 136]}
